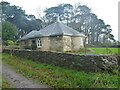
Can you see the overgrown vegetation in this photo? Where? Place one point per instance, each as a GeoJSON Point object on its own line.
{"type": "Point", "coordinates": [5, 83]}
{"type": "Point", "coordinates": [59, 77]}
{"type": "Point", "coordinates": [33, 46]}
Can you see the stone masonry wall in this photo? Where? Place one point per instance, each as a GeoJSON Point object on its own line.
{"type": "Point", "coordinates": [92, 63]}
{"type": "Point", "coordinates": [76, 43]}
{"type": "Point", "coordinates": [67, 43]}
{"type": "Point", "coordinates": [56, 43]}
{"type": "Point", "coordinates": [45, 44]}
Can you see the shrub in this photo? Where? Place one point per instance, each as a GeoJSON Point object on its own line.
{"type": "Point", "coordinates": [27, 47]}
{"type": "Point", "coordinates": [9, 42]}
{"type": "Point", "coordinates": [33, 46]}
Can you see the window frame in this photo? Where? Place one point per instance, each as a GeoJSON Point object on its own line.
{"type": "Point", "coordinates": [39, 43]}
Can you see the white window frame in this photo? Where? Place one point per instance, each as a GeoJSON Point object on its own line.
{"type": "Point", "coordinates": [39, 43]}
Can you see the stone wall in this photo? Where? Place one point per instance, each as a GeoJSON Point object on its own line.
{"type": "Point", "coordinates": [45, 44]}
{"type": "Point", "coordinates": [93, 63]}
{"type": "Point", "coordinates": [67, 43]}
{"type": "Point", "coordinates": [24, 43]}
{"type": "Point", "coordinates": [56, 43]}
{"type": "Point", "coordinates": [77, 43]}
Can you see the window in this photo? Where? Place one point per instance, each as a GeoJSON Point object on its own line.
{"type": "Point", "coordinates": [39, 43]}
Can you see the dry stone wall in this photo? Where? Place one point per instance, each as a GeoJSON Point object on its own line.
{"type": "Point", "coordinates": [92, 63]}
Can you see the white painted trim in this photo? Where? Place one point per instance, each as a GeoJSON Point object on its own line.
{"type": "Point", "coordinates": [39, 43]}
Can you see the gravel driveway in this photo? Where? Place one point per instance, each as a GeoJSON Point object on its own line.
{"type": "Point", "coordinates": [17, 80]}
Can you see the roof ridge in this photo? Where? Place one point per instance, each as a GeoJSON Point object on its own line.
{"type": "Point", "coordinates": [53, 27]}
{"type": "Point", "coordinates": [60, 27]}
{"type": "Point", "coordinates": [64, 26]}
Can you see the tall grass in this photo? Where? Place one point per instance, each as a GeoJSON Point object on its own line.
{"type": "Point", "coordinates": [59, 77]}
{"type": "Point", "coordinates": [6, 85]}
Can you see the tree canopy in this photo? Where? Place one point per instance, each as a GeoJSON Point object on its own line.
{"type": "Point", "coordinates": [9, 31]}
{"type": "Point", "coordinates": [78, 16]}
{"type": "Point", "coordinates": [25, 23]}
{"type": "Point", "coordinates": [81, 19]}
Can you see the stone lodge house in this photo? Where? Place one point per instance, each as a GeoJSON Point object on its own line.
{"type": "Point", "coordinates": [55, 37]}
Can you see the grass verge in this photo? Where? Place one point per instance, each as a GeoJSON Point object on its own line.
{"type": "Point", "coordinates": [59, 77]}
{"type": "Point", "coordinates": [5, 83]}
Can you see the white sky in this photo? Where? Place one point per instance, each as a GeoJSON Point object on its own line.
{"type": "Point", "coordinates": [104, 9]}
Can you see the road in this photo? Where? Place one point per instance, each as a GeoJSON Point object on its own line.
{"type": "Point", "coordinates": [17, 80]}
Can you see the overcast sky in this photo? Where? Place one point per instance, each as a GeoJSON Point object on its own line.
{"type": "Point", "coordinates": [104, 9]}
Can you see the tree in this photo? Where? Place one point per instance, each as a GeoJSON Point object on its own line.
{"type": "Point", "coordinates": [9, 31]}
{"type": "Point", "coordinates": [68, 12]}
{"type": "Point", "coordinates": [63, 11]}
{"type": "Point", "coordinates": [15, 15]}
{"type": "Point", "coordinates": [80, 18]}
{"type": "Point", "coordinates": [111, 36]}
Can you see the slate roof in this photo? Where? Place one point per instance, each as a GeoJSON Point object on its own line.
{"type": "Point", "coordinates": [30, 35]}
{"type": "Point", "coordinates": [57, 28]}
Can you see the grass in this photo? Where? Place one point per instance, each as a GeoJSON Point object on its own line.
{"type": "Point", "coordinates": [59, 77]}
{"type": "Point", "coordinates": [5, 83]}
{"type": "Point", "coordinates": [101, 51]}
